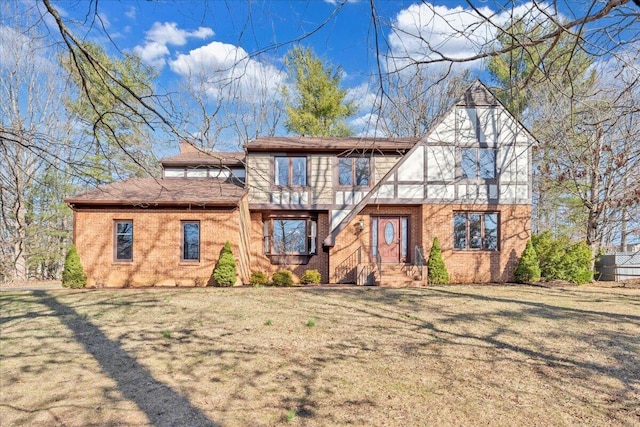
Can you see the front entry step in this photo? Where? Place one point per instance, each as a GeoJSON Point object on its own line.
{"type": "Point", "coordinates": [399, 275]}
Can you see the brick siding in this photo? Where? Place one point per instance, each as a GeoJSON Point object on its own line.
{"type": "Point", "coordinates": [157, 242]}
{"type": "Point", "coordinates": [436, 220]}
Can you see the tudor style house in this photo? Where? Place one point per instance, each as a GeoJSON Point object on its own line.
{"type": "Point", "coordinates": [359, 210]}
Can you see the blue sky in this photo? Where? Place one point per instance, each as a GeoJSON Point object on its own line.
{"type": "Point", "coordinates": [210, 39]}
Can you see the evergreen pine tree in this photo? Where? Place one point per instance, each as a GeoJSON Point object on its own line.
{"type": "Point", "coordinates": [436, 269]}
{"type": "Point", "coordinates": [73, 275]}
{"type": "Point", "coordinates": [528, 269]}
{"type": "Point", "coordinates": [224, 273]}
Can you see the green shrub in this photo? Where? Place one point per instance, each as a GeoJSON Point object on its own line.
{"type": "Point", "coordinates": [562, 260]}
{"type": "Point", "coordinates": [528, 269]}
{"type": "Point", "coordinates": [282, 278]}
{"type": "Point", "coordinates": [258, 278]}
{"type": "Point", "coordinates": [311, 277]}
{"type": "Point", "coordinates": [436, 270]}
{"type": "Point", "coordinates": [224, 273]}
{"type": "Point", "coordinates": [578, 264]}
{"type": "Point", "coordinates": [551, 254]}
{"type": "Point", "coordinates": [73, 275]}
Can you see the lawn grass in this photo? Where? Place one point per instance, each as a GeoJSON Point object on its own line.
{"type": "Point", "coordinates": [452, 355]}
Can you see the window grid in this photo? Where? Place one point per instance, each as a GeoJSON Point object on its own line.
{"type": "Point", "coordinates": [290, 236]}
{"type": "Point", "coordinates": [290, 171]}
{"type": "Point", "coordinates": [475, 231]}
{"type": "Point", "coordinates": [354, 171]}
{"type": "Point", "coordinates": [478, 163]}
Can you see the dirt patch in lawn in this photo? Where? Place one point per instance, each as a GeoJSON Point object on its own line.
{"type": "Point", "coordinates": [464, 355]}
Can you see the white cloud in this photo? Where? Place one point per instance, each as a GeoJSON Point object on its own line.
{"type": "Point", "coordinates": [227, 71]}
{"type": "Point", "coordinates": [104, 19]}
{"type": "Point", "coordinates": [160, 35]}
{"type": "Point", "coordinates": [429, 32]}
{"type": "Point", "coordinates": [131, 13]}
{"type": "Point", "coordinates": [362, 96]}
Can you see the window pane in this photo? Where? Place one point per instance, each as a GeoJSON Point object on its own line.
{"type": "Point", "coordinates": [191, 241]}
{"type": "Point", "coordinates": [491, 232]}
{"type": "Point", "coordinates": [299, 171]}
{"type": "Point", "coordinates": [404, 227]}
{"type": "Point", "coordinates": [459, 231]}
{"type": "Point", "coordinates": [289, 236]}
{"type": "Point", "coordinates": [475, 231]}
{"type": "Point", "coordinates": [282, 171]}
{"type": "Point", "coordinates": [362, 171]}
{"type": "Point", "coordinates": [345, 177]}
{"type": "Point", "coordinates": [469, 163]}
{"type": "Point", "coordinates": [124, 240]}
{"type": "Point", "coordinates": [265, 232]}
{"type": "Point", "coordinates": [487, 163]}
{"type": "Point", "coordinates": [312, 237]}
{"type": "Point", "coordinates": [374, 236]}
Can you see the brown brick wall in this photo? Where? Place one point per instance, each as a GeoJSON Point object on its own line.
{"type": "Point", "coordinates": [156, 246]}
{"type": "Point", "coordinates": [429, 221]}
{"type": "Point", "coordinates": [351, 238]}
{"type": "Point", "coordinates": [478, 266]}
{"type": "Point", "coordinates": [261, 262]}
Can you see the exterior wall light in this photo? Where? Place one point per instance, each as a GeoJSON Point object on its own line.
{"type": "Point", "coordinates": [361, 224]}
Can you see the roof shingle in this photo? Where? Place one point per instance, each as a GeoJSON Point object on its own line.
{"type": "Point", "coordinates": [163, 192]}
{"type": "Point", "coordinates": [330, 144]}
{"type": "Point", "coordinates": [200, 158]}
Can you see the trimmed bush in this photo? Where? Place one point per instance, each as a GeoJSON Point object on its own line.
{"type": "Point", "coordinates": [436, 270]}
{"type": "Point", "coordinates": [282, 278]}
{"type": "Point", "coordinates": [258, 278]}
{"type": "Point", "coordinates": [528, 269]}
{"type": "Point", "coordinates": [311, 277]}
{"type": "Point", "coordinates": [224, 273]}
{"type": "Point", "coordinates": [73, 275]}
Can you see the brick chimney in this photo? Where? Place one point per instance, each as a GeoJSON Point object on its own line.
{"type": "Point", "coordinates": [187, 147]}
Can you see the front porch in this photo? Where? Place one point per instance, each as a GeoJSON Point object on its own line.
{"type": "Point", "coordinates": [381, 247]}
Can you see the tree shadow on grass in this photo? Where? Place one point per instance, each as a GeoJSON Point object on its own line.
{"type": "Point", "coordinates": [162, 405]}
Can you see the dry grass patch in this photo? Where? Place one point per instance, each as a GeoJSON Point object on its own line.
{"type": "Point", "coordinates": [463, 355]}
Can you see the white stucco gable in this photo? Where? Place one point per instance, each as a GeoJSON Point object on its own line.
{"type": "Point", "coordinates": [476, 153]}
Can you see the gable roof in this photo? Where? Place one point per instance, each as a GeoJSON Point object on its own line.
{"type": "Point", "coordinates": [477, 95]}
{"type": "Point", "coordinates": [330, 144]}
{"type": "Point", "coordinates": [152, 192]}
{"type": "Point", "coordinates": [200, 158]}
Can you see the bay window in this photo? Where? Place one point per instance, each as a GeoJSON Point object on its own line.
{"type": "Point", "coordinates": [290, 236]}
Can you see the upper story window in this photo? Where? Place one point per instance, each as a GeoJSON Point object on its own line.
{"type": "Point", "coordinates": [190, 240]}
{"type": "Point", "coordinates": [212, 172]}
{"type": "Point", "coordinates": [354, 171]}
{"type": "Point", "coordinates": [123, 247]}
{"type": "Point", "coordinates": [291, 171]}
{"type": "Point", "coordinates": [478, 163]}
